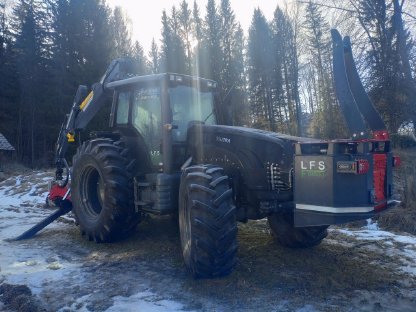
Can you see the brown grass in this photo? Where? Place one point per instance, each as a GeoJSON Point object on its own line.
{"type": "Point", "coordinates": [403, 218]}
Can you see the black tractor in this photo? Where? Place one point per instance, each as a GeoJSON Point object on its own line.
{"type": "Point", "coordinates": [173, 150]}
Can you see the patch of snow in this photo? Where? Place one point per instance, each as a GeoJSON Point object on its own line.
{"type": "Point", "coordinates": [372, 226]}
{"type": "Point", "coordinates": [38, 265]}
{"type": "Point", "coordinates": [144, 301]}
{"type": "Point", "coordinates": [409, 269]}
{"type": "Point", "coordinates": [379, 235]}
{"type": "Point", "coordinates": [389, 241]}
{"type": "Point", "coordinates": [79, 305]}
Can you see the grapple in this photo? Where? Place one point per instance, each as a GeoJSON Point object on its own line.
{"type": "Point", "coordinates": [58, 196]}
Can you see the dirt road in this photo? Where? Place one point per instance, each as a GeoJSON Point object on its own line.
{"type": "Point", "coordinates": [365, 270]}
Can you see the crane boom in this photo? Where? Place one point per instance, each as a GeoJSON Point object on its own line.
{"type": "Point", "coordinates": [85, 107]}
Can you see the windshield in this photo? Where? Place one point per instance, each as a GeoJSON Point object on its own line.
{"type": "Point", "coordinates": [190, 104]}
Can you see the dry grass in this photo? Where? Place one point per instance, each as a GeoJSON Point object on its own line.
{"type": "Point", "coordinates": [268, 272]}
{"type": "Point", "coordinates": [403, 218]}
{"type": "Point", "coordinates": [262, 265]}
{"type": "Point", "coordinates": [12, 168]}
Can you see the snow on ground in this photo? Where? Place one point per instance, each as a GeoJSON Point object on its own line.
{"type": "Point", "coordinates": [35, 266]}
{"type": "Point", "coordinates": [45, 264]}
{"type": "Point", "coordinates": [393, 244]}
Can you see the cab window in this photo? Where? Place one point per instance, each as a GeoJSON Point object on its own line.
{"type": "Point", "coordinates": [189, 104]}
{"type": "Point", "coordinates": [146, 118]}
{"type": "Point", "coordinates": [122, 116]}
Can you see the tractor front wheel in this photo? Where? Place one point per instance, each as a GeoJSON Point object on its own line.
{"type": "Point", "coordinates": [207, 222]}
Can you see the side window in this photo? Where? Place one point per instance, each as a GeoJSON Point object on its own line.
{"type": "Point", "coordinates": [147, 119]}
{"type": "Point", "coordinates": [123, 108]}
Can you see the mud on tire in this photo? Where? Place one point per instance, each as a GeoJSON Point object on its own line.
{"type": "Point", "coordinates": [286, 234]}
{"type": "Point", "coordinates": [207, 222]}
{"type": "Point", "coordinates": [102, 190]}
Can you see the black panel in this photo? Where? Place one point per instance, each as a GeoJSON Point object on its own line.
{"type": "Point", "coordinates": [365, 106]}
{"type": "Point", "coordinates": [346, 99]}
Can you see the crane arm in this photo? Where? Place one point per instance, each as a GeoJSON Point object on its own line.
{"type": "Point", "coordinates": [85, 106]}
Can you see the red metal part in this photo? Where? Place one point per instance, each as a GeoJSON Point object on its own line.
{"type": "Point", "coordinates": [363, 166]}
{"type": "Point", "coordinates": [382, 135]}
{"type": "Point", "coordinates": [57, 192]}
{"type": "Point", "coordinates": [379, 177]}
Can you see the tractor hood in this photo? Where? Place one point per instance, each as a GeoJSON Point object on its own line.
{"type": "Point", "coordinates": [247, 152]}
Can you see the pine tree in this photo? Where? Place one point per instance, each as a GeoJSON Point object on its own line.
{"type": "Point", "coordinates": [228, 29]}
{"type": "Point", "coordinates": [239, 104]}
{"type": "Point", "coordinates": [140, 59]}
{"type": "Point", "coordinates": [83, 48]}
{"type": "Point", "coordinates": [317, 39]}
{"type": "Point", "coordinates": [286, 70]}
{"type": "Point", "coordinates": [260, 71]}
{"type": "Point", "coordinates": [185, 33]}
{"type": "Point", "coordinates": [173, 54]}
{"type": "Point", "coordinates": [154, 58]}
{"type": "Point", "coordinates": [210, 59]}
{"type": "Point", "coordinates": [96, 41]}
{"type": "Point", "coordinates": [166, 43]}
{"type": "Point", "coordinates": [198, 37]}
{"type": "Point", "coordinates": [392, 87]}
{"type": "Point", "coordinates": [121, 35]}
{"type": "Point", "coordinates": [9, 91]}
{"type": "Point", "coordinates": [2, 29]}
{"type": "Point", "coordinates": [197, 23]}
{"type": "Point", "coordinates": [404, 46]}
{"type": "Point", "coordinates": [31, 49]}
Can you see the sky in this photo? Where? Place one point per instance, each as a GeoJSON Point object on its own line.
{"type": "Point", "coordinates": [146, 15]}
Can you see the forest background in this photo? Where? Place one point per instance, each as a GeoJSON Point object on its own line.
{"type": "Point", "coordinates": [282, 67]}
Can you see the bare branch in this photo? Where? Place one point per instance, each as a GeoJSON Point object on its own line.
{"type": "Point", "coordinates": [353, 11]}
{"type": "Point", "coordinates": [328, 6]}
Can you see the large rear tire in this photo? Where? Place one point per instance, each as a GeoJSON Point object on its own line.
{"type": "Point", "coordinates": [207, 222]}
{"type": "Point", "coordinates": [285, 233]}
{"type": "Point", "coordinates": [102, 190]}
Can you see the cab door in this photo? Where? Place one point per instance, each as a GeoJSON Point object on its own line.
{"type": "Point", "coordinates": [146, 118]}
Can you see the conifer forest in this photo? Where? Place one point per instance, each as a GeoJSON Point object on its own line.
{"type": "Point", "coordinates": [281, 68]}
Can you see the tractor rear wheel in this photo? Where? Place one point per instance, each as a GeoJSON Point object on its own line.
{"type": "Point", "coordinates": [285, 233]}
{"type": "Point", "coordinates": [207, 222]}
{"type": "Point", "coordinates": [102, 190]}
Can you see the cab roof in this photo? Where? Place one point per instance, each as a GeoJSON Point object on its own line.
{"type": "Point", "coordinates": [186, 79]}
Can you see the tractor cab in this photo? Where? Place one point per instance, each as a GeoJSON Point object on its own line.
{"type": "Point", "coordinates": [157, 110]}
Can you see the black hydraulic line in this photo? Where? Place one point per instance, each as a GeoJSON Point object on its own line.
{"type": "Point", "coordinates": [345, 97]}
{"type": "Point", "coordinates": [366, 107]}
{"type": "Point", "coordinates": [64, 207]}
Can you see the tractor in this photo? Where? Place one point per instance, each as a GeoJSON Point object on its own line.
{"type": "Point", "coordinates": [173, 150]}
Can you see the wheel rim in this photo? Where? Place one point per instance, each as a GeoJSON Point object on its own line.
{"type": "Point", "coordinates": [92, 192]}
